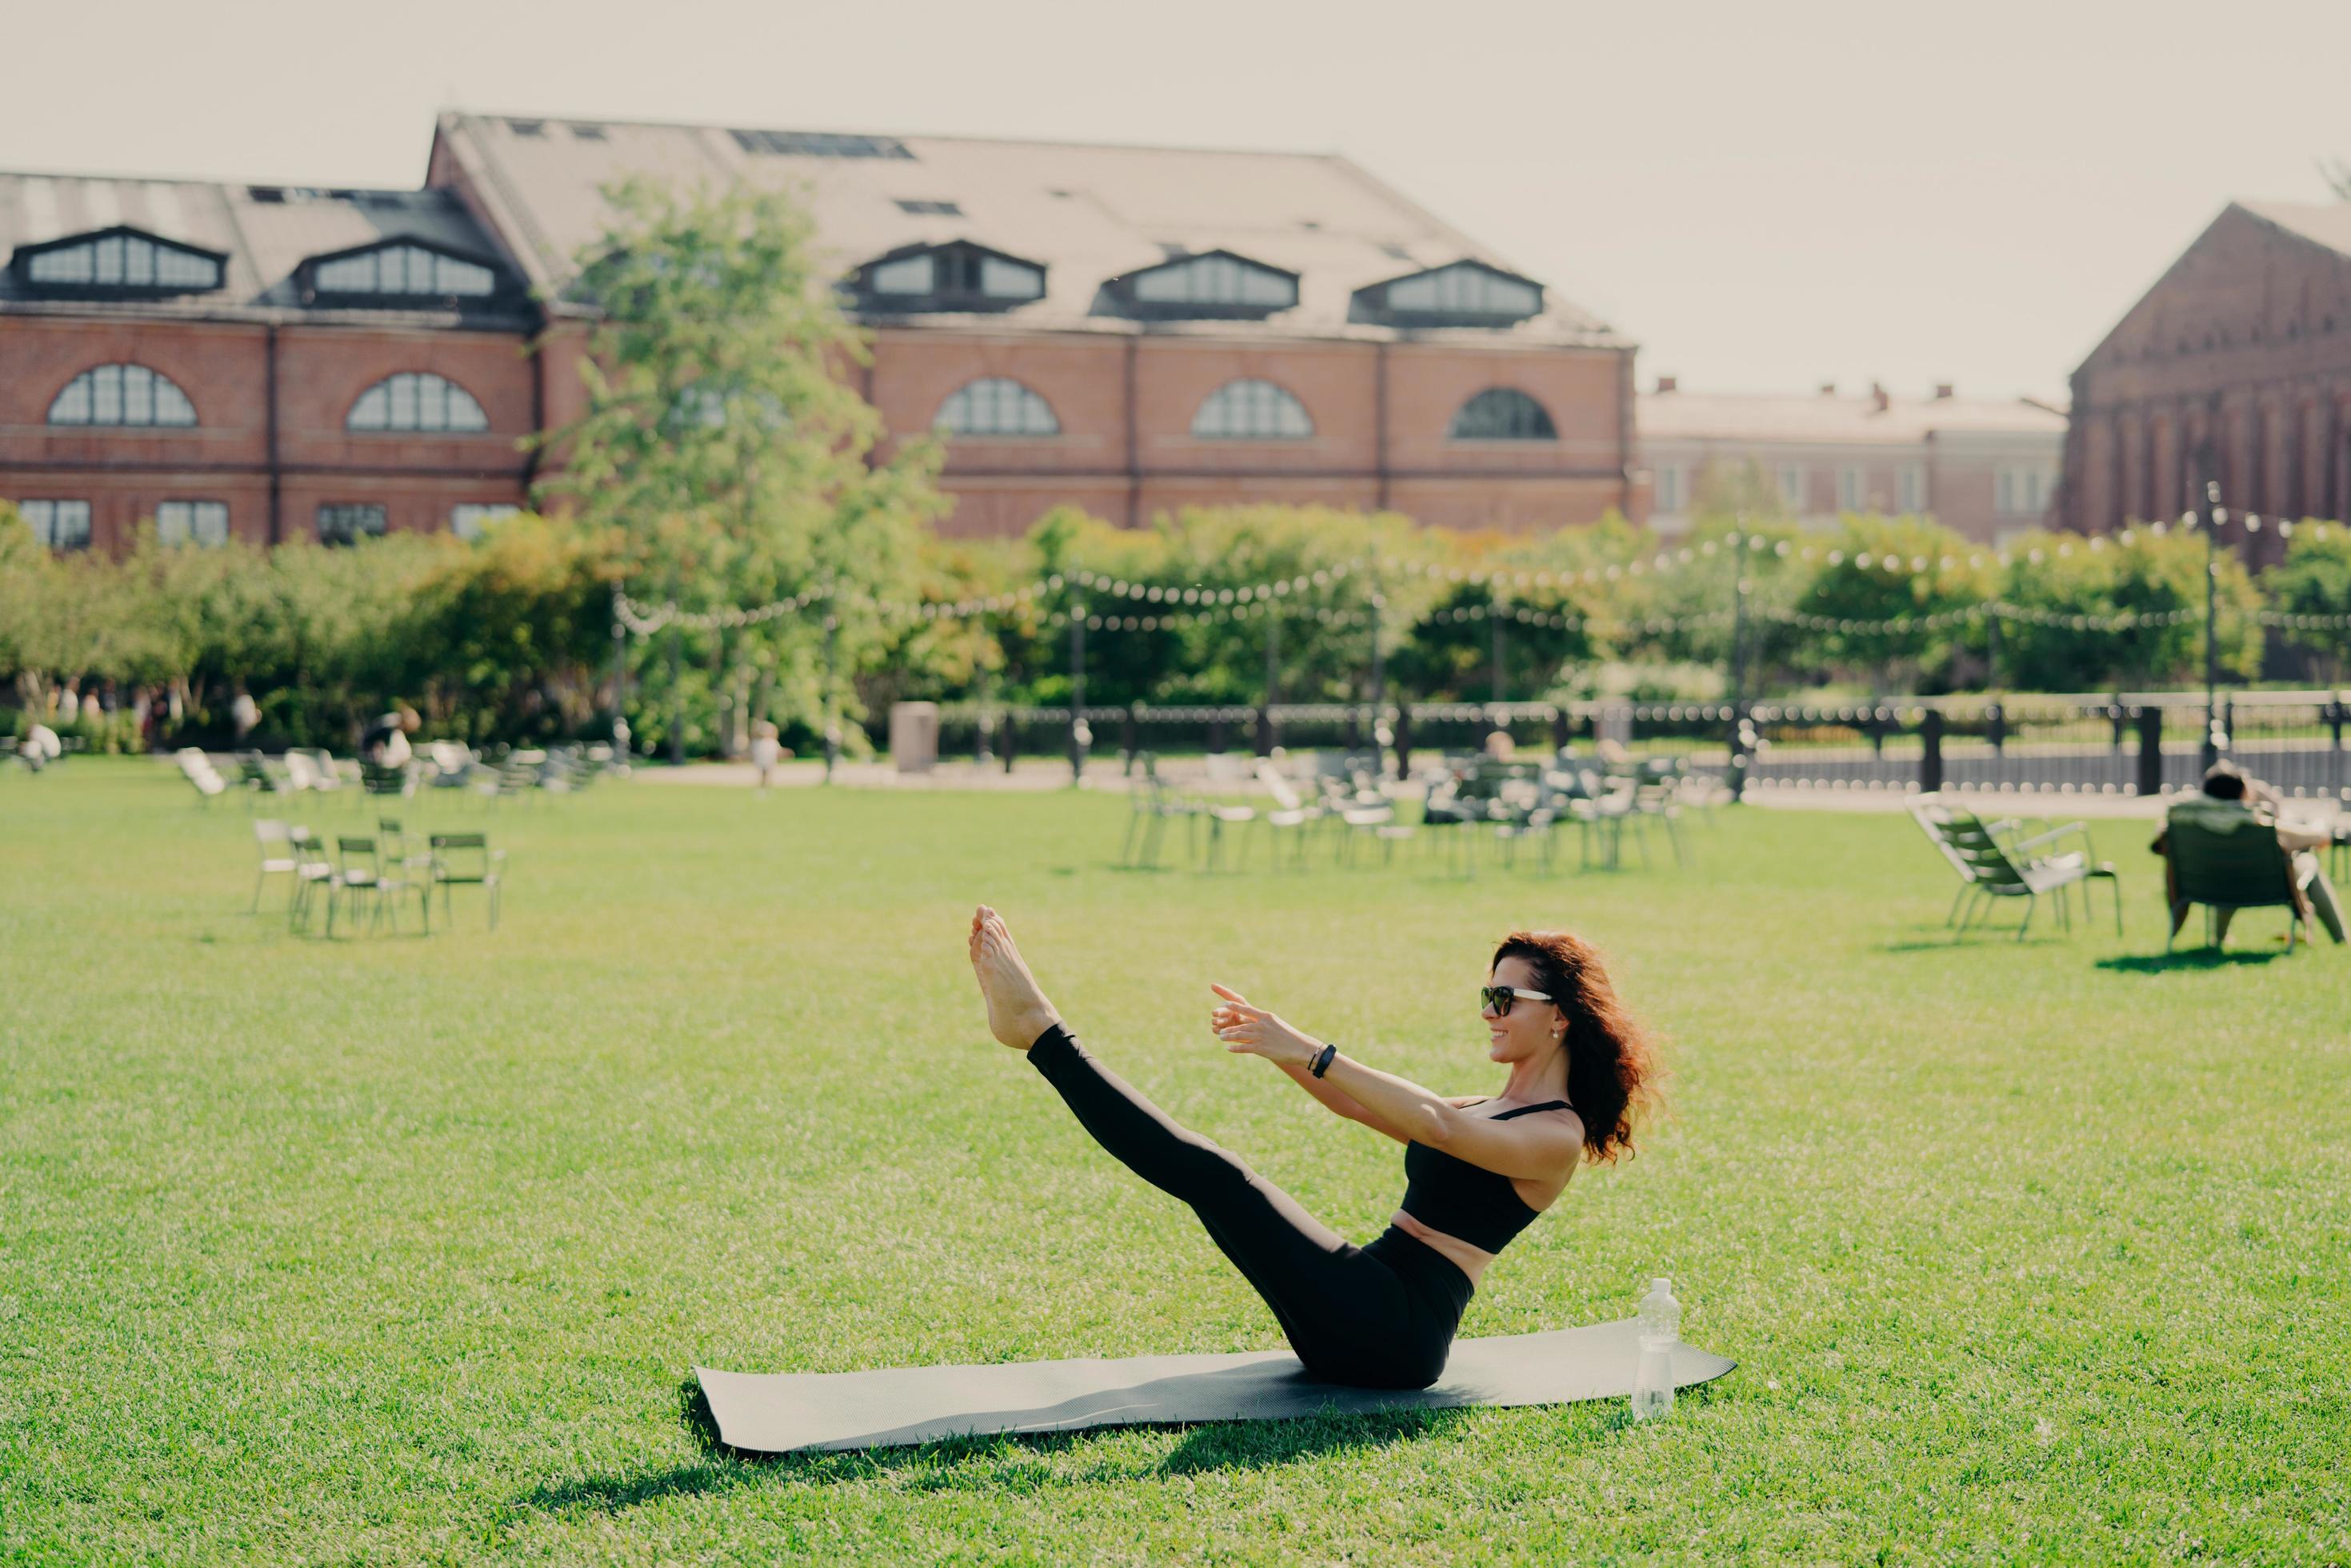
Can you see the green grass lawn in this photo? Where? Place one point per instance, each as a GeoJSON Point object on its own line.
{"type": "Point", "coordinates": [399, 1251]}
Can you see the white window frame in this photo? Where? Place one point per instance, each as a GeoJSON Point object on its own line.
{"type": "Point", "coordinates": [122, 395]}
{"type": "Point", "coordinates": [44, 514]}
{"type": "Point", "coordinates": [2021, 490]}
{"type": "Point", "coordinates": [1670, 498]}
{"type": "Point", "coordinates": [1795, 482]}
{"type": "Point", "coordinates": [467, 520]}
{"type": "Point", "coordinates": [1910, 490]}
{"type": "Point", "coordinates": [1249, 408]}
{"type": "Point", "coordinates": [997, 406]}
{"type": "Point", "coordinates": [1520, 408]}
{"type": "Point", "coordinates": [404, 271]}
{"type": "Point", "coordinates": [201, 522]}
{"type": "Point", "coordinates": [417, 403]}
{"type": "Point", "coordinates": [1853, 488]}
{"type": "Point", "coordinates": [354, 511]}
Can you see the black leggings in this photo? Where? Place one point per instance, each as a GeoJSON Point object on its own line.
{"type": "Point", "coordinates": [1381, 1316]}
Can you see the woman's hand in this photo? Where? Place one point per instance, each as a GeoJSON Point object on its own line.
{"type": "Point", "coordinates": [1256, 1032]}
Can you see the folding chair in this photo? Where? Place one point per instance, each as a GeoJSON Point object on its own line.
{"type": "Point", "coordinates": [464, 860]}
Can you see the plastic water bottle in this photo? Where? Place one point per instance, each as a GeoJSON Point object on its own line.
{"type": "Point", "coordinates": [1661, 1330]}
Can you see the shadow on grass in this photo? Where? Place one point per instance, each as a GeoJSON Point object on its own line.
{"type": "Point", "coordinates": [2188, 958]}
{"type": "Point", "coordinates": [1996, 938]}
{"type": "Point", "coordinates": [945, 1465]}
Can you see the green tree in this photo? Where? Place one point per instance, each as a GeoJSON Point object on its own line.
{"type": "Point", "coordinates": [1889, 603]}
{"type": "Point", "coordinates": [724, 448]}
{"type": "Point", "coordinates": [2315, 580]}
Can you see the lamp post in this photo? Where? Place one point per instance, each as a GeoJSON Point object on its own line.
{"type": "Point", "coordinates": [831, 699]}
{"type": "Point", "coordinates": [2216, 740]}
{"type": "Point", "coordinates": [620, 676]}
{"type": "Point", "coordinates": [1079, 735]}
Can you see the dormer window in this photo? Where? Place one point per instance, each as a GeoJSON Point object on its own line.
{"type": "Point", "coordinates": [1459, 294]}
{"type": "Point", "coordinates": [117, 263]}
{"type": "Point", "coordinates": [1214, 284]}
{"type": "Point", "coordinates": [396, 273]}
{"type": "Point", "coordinates": [958, 276]}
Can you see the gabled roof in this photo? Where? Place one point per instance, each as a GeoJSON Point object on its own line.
{"type": "Point", "coordinates": [1088, 213]}
{"type": "Point", "coordinates": [264, 232]}
{"type": "Point", "coordinates": [2329, 223]}
{"type": "Point", "coordinates": [1828, 420]}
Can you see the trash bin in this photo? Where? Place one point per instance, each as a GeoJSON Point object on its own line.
{"type": "Point", "coordinates": [915, 735]}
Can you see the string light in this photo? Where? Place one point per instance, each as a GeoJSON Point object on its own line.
{"type": "Point", "coordinates": [1212, 606]}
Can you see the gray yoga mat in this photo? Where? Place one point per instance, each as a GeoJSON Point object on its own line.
{"type": "Point", "coordinates": [776, 1413]}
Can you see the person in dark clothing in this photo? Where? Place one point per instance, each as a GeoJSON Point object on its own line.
{"type": "Point", "coordinates": [1479, 1169]}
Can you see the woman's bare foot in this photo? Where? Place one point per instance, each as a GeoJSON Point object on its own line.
{"type": "Point", "coordinates": [1017, 1012]}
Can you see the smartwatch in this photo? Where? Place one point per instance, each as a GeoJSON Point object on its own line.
{"type": "Point", "coordinates": [1322, 1060]}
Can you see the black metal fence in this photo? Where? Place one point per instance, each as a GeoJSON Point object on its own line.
{"type": "Point", "coordinates": [2146, 744]}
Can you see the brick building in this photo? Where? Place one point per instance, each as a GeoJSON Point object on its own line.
{"type": "Point", "coordinates": [254, 360]}
{"type": "Point", "coordinates": [1126, 328]}
{"type": "Point", "coordinates": [2235, 367]}
{"type": "Point", "coordinates": [1986, 466]}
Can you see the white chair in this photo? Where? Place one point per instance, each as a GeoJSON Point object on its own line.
{"type": "Point", "coordinates": [198, 770]}
{"type": "Point", "coordinates": [1289, 814]}
{"type": "Point", "coordinates": [312, 871]}
{"type": "Point", "coordinates": [277, 842]}
{"type": "Point", "coordinates": [327, 776]}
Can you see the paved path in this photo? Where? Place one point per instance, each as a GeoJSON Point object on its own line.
{"type": "Point", "coordinates": [1046, 774]}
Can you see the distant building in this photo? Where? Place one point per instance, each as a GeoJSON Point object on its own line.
{"type": "Point", "coordinates": [2235, 367]}
{"type": "Point", "coordinates": [1123, 328]}
{"type": "Point", "coordinates": [257, 360]}
{"type": "Point", "coordinates": [1985, 466]}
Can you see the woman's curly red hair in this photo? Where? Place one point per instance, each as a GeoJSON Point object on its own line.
{"type": "Point", "coordinates": [1611, 1065]}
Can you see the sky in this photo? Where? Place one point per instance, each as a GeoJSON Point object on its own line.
{"type": "Point", "coordinates": [1765, 196]}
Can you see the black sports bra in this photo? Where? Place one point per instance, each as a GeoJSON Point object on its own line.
{"type": "Point", "coordinates": [1447, 1194]}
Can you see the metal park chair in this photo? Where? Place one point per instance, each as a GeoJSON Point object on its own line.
{"type": "Point", "coordinates": [198, 770]}
{"type": "Point", "coordinates": [518, 775]}
{"type": "Point", "coordinates": [387, 778]}
{"type": "Point", "coordinates": [464, 860]}
{"type": "Point", "coordinates": [1599, 807]}
{"type": "Point", "coordinates": [1289, 814]}
{"type": "Point", "coordinates": [312, 871]}
{"type": "Point", "coordinates": [276, 841]}
{"type": "Point", "coordinates": [361, 873]}
{"type": "Point", "coordinates": [254, 772]}
{"type": "Point", "coordinates": [1152, 803]}
{"type": "Point", "coordinates": [1992, 868]}
{"type": "Point", "coordinates": [2227, 870]}
{"type": "Point", "coordinates": [326, 773]}
{"type": "Point", "coordinates": [415, 863]}
{"type": "Point", "coordinates": [1358, 812]}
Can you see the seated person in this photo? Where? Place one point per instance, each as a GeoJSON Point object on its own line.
{"type": "Point", "coordinates": [2233, 800]}
{"type": "Point", "coordinates": [385, 742]}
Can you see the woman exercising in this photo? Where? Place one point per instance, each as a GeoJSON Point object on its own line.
{"type": "Point", "coordinates": [1476, 1169]}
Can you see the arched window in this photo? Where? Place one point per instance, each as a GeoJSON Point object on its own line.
{"type": "Point", "coordinates": [121, 396]}
{"type": "Point", "coordinates": [416, 399]}
{"type": "Point", "coordinates": [1502, 414]}
{"type": "Point", "coordinates": [1251, 411]}
{"type": "Point", "coordinates": [996, 405]}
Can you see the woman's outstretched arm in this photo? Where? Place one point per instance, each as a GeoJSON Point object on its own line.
{"type": "Point", "coordinates": [1535, 1148]}
{"type": "Point", "coordinates": [1253, 1030]}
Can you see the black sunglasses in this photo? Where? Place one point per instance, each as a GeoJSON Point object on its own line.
{"type": "Point", "coordinates": [1496, 999]}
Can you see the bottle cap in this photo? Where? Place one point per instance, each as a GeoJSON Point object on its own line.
{"type": "Point", "coordinates": [1662, 1285]}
